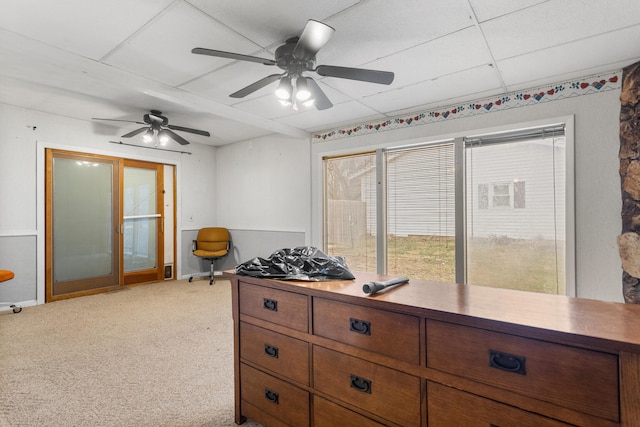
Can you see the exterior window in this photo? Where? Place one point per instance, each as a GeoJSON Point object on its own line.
{"type": "Point", "coordinates": [501, 196]}
{"type": "Point", "coordinates": [486, 210]}
{"type": "Point", "coordinates": [350, 209]}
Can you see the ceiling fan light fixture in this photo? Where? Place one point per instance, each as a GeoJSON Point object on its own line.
{"type": "Point", "coordinates": [284, 88]}
{"type": "Point", "coordinates": [163, 137]}
{"type": "Point", "coordinates": [148, 136]}
{"type": "Point", "coordinates": [296, 56]}
{"type": "Point", "coordinates": [302, 89]}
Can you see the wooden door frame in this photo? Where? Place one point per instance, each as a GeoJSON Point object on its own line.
{"type": "Point", "coordinates": [47, 218]}
{"type": "Point", "coordinates": [50, 153]}
{"type": "Point", "coordinates": [145, 276]}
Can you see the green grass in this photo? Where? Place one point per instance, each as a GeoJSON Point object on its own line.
{"type": "Point", "coordinates": [528, 265]}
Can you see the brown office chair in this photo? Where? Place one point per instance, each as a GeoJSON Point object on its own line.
{"type": "Point", "coordinates": [4, 276]}
{"type": "Point", "coordinates": [211, 244]}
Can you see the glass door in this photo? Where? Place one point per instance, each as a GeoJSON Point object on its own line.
{"type": "Point", "coordinates": [104, 223]}
{"type": "Point", "coordinates": [82, 206]}
{"type": "Point", "coordinates": [142, 222]}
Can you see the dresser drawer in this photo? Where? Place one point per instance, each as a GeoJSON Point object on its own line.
{"type": "Point", "coordinates": [277, 398]}
{"type": "Point", "coordinates": [451, 407]}
{"type": "Point", "coordinates": [280, 307]}
{"type": "Point", "coordinates": [579, 379]}
{"type": "Point", "coordinates": [328, 414]}
{"type": "Point", "coordinates": [392, 334]}
{"type": "Point", "coordinates": [279, 353]}
{"type": "Point", "coordinates": [391, 394]}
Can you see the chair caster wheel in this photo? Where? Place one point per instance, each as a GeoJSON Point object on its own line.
{"type": "Point", "coordinates": [16, 308]}
{"type": "Point", "coordinates": [210, 282]}
{"type": "Point", "coordinates": [190, 279]}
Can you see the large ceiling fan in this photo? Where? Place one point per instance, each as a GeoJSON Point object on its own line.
{"type": "Point", "coordinates": [157, 126]}
{"type": "Point", "coordinates": [295, 57]}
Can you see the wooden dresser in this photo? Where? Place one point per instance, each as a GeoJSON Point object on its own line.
{"type": "Point", "coordinates": [430, 354]}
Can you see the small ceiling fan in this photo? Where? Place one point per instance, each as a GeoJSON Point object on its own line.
{"type": "Point", "coordinates": [295, 57]}
{"type": "Point", "coordinates": [158, 125]}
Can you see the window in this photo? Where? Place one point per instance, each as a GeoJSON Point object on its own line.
{"type": "Point", "coordinates": [350, 209]}
{"type": "Point", "coordinates": [509, 195]}
{"type": "Point", "coordinates": [486, 210]}
{"type": "Point", "coordinates": [516, 238]}
{"type": "Point", "coordinates": [501, 197]}
{"type": "Point", "coordinates": [420, 205]}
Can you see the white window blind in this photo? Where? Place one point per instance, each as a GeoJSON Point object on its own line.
{"type": "Point", "coordinates": [421, 212]}
{"type": "Point", "coordinates": [515, 215]}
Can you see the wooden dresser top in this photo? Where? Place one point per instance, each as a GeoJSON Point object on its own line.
{"type": "Point", "coordinates": [607, 326]}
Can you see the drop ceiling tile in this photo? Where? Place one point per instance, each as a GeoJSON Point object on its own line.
{"type": "Point", "coordinates": [569, 76]}
{"type": "Point", "coordinates": [378, 28]}
{"type": "Point", "coordinates": [88, 28]}
{"type": "Point", "coordinates": [29, 60]}
{"type": "Point", "coordinates": [486, 10]}
{"type": "Point", "coordinates": [34, 95]}
{"type": "Point", "coordinates": [229, 131]}
{"type": "Point", "coordinates": [160, 53]}
{"type": "Point", "coordinates": [265, 22]}
{"type": "Point", "coordinates": [440, 91]}
{"type": "Point", "coordinates": [571, 58]}
{"type": "Point", "coordinates": [354, 89]}
{"type": "Point", "coordinates": [554, 23]}
{"type": "Point", "coordinates": [452, 53]}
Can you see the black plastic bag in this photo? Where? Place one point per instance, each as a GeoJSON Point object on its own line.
{"type": "Point", "coordinates": [301, 263]}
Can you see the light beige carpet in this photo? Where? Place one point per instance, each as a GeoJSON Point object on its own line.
{"type": "Point", "coordinates": [151, 355]}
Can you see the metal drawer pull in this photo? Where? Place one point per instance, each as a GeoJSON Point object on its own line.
{"type": "Point", "coordinates": [361, 384]}
{"type": "Point", "coordinates": [507, 362]}
{"type": "Point", "coordinates": [271, 350]}
{"type": "Point", "coordinates": [360, 326]}
{"type": "Point", "coordinates": [271, 396]}
{"type": "Point", "coordinates": [270, 304]}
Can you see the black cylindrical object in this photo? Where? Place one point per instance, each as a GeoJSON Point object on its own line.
{"type": "Point", "coordinates": [373, 287]}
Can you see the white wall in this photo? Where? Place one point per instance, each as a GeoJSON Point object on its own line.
{"type": "Point", "coordinates": [264, 194]}
{"type": "Point", "coordinates": [597, 183]}
{"type": "Point", "coordinates": [22, 181]}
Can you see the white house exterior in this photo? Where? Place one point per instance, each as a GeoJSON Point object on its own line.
{"type": "Point", "coordinates": [514, 190]}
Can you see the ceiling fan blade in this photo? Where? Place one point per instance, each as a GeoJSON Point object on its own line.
{"type": "Point", "coordinates": [321, 101]}
{"type": "Point", "coordinates": [117, 120]}
{"type": "Point", "coordinates": [135, 132]}
{"type": "Point", "coordinates": [315, 35]}
{"type": "Point", "coordinates": [180, 140]}
{"type": "Point", "coordinates": [371, 76]}
{"type": "Point", "coordinates": [231, 55]}
{"type": "Point", "coordinates": [183, 129]}
{"type": "Point", "coordinates": [255, 86]}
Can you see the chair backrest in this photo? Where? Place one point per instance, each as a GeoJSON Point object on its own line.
{"type": "Point", "coordinates": [213, 239]}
